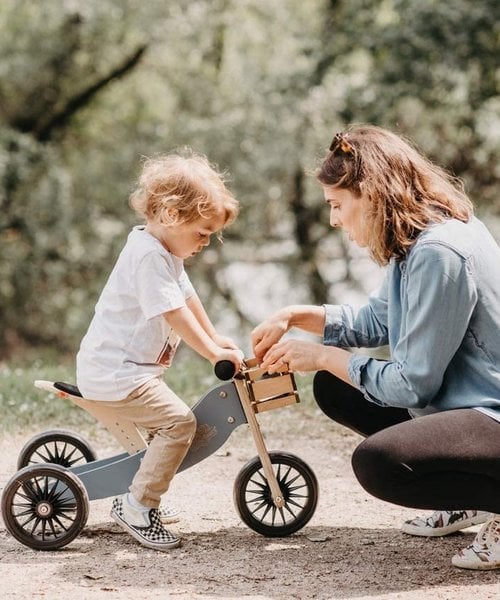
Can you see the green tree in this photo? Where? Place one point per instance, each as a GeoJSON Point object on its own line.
{"type": "Point", "coordinates": [260, 87]}
{"type": "Point", "coordinates": [52, 68]}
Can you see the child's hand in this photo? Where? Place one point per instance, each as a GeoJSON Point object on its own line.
{"type": "Point", "coordinates": [224, 341]}
{"type": "Point", "coordinates": [235, 356]}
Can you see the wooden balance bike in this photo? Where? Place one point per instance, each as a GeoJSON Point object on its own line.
{"type": "Point", "coordinates": [45, 505]}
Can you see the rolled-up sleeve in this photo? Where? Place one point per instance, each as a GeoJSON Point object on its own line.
{"type": "Point", "coordinates": [439, 301]}
{"type": "Point", "coordinates": [366, 328]}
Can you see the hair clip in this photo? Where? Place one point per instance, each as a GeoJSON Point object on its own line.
{"type": "Point", "coordinates": [340, 141]}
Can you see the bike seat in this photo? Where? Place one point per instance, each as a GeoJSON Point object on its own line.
{"type": "Point", "coordinates": [68, 388]}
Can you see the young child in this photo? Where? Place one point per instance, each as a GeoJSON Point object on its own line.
{"type": "Point", "coordinates": [147, 305]}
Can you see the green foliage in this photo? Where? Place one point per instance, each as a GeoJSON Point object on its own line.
{"type": "Point", "coordinates": [22, 406]}
{"type": "Point", "coordinates": [89, 88]}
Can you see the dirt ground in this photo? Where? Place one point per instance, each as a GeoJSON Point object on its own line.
{"type": "Point", "coordinates": [351, 548]}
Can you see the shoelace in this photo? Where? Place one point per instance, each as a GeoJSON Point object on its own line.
{"type": "Point", "coordinates": [488, 535]}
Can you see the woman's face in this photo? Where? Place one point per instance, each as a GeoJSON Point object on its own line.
{"type": "Point", "coordinates": [348, 212]}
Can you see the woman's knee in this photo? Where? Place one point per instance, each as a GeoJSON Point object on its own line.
{"type": "Point", "coordinates": [335, 397]}
{"type": "Point", "coordinates": [328, 392]}
{"type": "Point", "coordinates": [378, 469]}
{"type": "Point", "coordinates": [321, 387]}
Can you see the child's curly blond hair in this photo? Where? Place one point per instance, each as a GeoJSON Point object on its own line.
{"type": "Point", "coordinates": [174, 189]}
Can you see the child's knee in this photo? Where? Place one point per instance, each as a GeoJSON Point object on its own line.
{"type": "Point", "coordinates": [185, 427]}
{"type": "Point", "coordinates": [191, 423]}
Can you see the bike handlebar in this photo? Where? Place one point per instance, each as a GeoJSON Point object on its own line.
{"type": "Point", "coordinates": [225, 370]}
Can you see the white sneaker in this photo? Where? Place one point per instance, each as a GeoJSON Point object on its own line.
{"type": "Point", "coordinates": [444, 522]}
{"type": "Point", "coordinates": [145, 526]}
{"type": "Point", "coordinates": [484, 552]}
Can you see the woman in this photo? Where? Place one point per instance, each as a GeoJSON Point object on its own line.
{"type": "Point", "coordinates": [431, 412]}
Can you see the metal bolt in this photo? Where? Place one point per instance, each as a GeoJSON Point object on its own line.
{"type": "Point", "coordinates": [230, 419]}
{"type": "Point", "coordinates": [223, 394]}
{"type": "Point", "coordinates": [43, 509]}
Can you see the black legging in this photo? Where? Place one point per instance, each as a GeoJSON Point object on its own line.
{"type": "Point", "coordinates": [448, 460]}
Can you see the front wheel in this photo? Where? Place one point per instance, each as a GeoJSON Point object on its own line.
{"type": "Point", "coordinates": [45, 506]}
{"type": "Point", "coordinates": [253, 498]}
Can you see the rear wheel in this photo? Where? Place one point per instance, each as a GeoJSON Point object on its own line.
{"type": "Point", "coordinates": [45, 506]}
{"type": "Point", "coordinates": [57, 446]}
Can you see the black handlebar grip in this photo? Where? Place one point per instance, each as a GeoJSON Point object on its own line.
{"type": "Point", "coordinates": [225, 370]}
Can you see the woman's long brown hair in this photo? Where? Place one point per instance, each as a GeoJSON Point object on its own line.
{"type": "Point", "coordinates": [405, 192]}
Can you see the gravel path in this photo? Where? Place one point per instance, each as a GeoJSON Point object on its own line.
{"type": "Point", "coordinates": [351, 548]}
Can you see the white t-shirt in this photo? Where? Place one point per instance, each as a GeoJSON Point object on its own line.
{"type": "Point", "coordinates": [129, 341]}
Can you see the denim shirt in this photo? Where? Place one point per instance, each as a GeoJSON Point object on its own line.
{"type": "Point", "coordinates": [439, 312]}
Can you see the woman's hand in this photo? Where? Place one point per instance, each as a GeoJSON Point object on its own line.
{"type": "Point", "coordinates": [268, 333]}
{"type": "Point", "coordinates": [295, 355]}
{"type": "Point", "coordinates": [299, 355]}
{"type": "Point", "coordinates": [303, 316]}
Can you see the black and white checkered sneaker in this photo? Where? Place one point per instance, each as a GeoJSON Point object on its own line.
{"type": "Point", "coordinates": [168, 514]}
{"type": "Point", "coordinates": [145, 527]}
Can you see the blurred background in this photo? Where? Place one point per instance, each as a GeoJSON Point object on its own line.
{"type": "Point", "coordinates": [90, 87]}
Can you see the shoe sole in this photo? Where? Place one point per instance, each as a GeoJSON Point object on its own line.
{"type": "Point", "coordinates": [475, 566]}
{"type": "Point", "coordinates": [441, 531]}
{"type": "Point", "coordinates": [162, 547]}
{"type": "Point", "coordinates": [169, 520]}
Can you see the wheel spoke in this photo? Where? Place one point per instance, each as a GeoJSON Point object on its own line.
{"type": "Point", "coordinates": [68, 459]}
{"type": "Point", "coordinates": [282, 513]}
{"type": "Point", "coordinates": [58, 492]}
{"type": "Point", "coordinates": [39, 494]}
{"type": "Point", "coordinates": [262, 486]}
{"type": "Point", "coordinates": [257, 497]}
{"type": "Point", "coordinates": [289, 509]}
{"type": "Point", "coordinates": [44, 457]}
{"type": "Point", "coordinates": [55, 452]}
{"type": "Point", "coordinates": [44, 528]}
{"type": "Point", "coordinates": [26, 510]}
{"type": "Point", "coordinates": [258, 508]}
{"type": "Point", "coordinates": [61, 525]}
{"type": "Point", "coordinates": [31, 516]}
{"type": "Point", "coordinates": [35, 525]}
{"type": "Point", "coordinates": [28, 493]}
{"type": "Point", "coordinates": [289, 482]}
{"type": "Point", "coordinates": [53, 529]}
{"type": "Point", "coordinates": [48, 487]}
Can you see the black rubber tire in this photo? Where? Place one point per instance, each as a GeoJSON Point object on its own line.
{"type": "Point", "coordinates": [253, 500]}
{"type": "Point", "coordinates": [45, 506]}
{"type": "Point", "coordinates": [58, 447]}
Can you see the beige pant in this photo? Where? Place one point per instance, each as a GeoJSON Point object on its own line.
{"type": "Point", "coordinates": [171, 427]}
